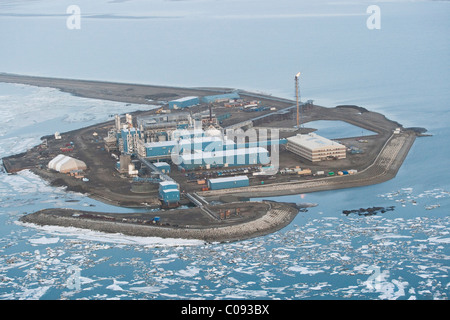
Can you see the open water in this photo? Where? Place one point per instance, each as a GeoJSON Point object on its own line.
{"type": "Point", "coordinates": [400, 70]}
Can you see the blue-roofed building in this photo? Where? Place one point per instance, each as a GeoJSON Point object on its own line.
{"type": "Point", "coordinates": [160, 148]}
{"type": "Point", "coordinates": [167, 185]}
{"type": "Point", "coordinates": [225, 158]}
{"type": "Point", "coordinates": [169, 193]}
{"type": "Point", "coordinates": [165, 148]}
{"type": "Point", "coordinates": [228, 182]}
{"type": "Point", "coordinates": [164, 167]}
{"type": "Point", "coordinates": [185, 102]}
{"type": "Point", "coordinates": [220, 97]}
{"type": "Point", "coordinates": [263, 144]}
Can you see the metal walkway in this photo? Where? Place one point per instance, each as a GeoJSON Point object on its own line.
{"type": "Point", "coordinates": [202, 204]}
{"type": "Point", "coordinates": [194, 200]}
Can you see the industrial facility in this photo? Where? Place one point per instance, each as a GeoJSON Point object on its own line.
{"type": "Point", "coordinates": [212, 148]}
{"type": "Point", "coordinates": [184, 139]}
{"type": "Point", "coordinates": [187, 140]}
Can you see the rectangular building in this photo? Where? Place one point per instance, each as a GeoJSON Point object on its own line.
{"type": "Point", "coordinates": [169, 192]}
{"type": "Point", "coordinates": [315, 148]}
{"type": "Point", "coordinates": [225, 158]}
{"type": "Point", "coordinates": [170, 196]}
{"type": "Point", "coordinates": [165, 148]}
{"type": "Point", "coordinates": [160, 148]}
{"type": "Point", "coordinates": [221, 97]}
{"type": "Point", "coordinates": [182, 103]}
{"type": "Point", "coordinates": [167, 185]}
{"type": "Point", "coordinates": [201, 144]}
{"type": "Point", "coordinates": [228, 182]}
{"type": "Point", "coordinates": [164, 167]}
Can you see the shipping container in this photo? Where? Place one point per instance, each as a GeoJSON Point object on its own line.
{"type": "Point", "coordinates": [304, 172]}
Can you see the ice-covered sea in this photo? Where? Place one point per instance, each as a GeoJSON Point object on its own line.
{"type": "Point", "coordinates": [401, 252]}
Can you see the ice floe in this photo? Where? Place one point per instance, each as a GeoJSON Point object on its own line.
{"type": "Point", "coordinates": [310, 259]}
{"type": "Point", "coordinates": [428, 199]}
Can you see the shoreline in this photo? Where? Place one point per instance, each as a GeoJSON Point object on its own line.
{"type": "Point", "coordinates": [276, 216]}
{"type": "Point", "coordinates": [384, 158]}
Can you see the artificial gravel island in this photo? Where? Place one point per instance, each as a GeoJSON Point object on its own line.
{"type": "Point", "coordinates": [195, 156]}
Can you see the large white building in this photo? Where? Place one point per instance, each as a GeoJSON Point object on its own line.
{"type": "Point", "coordinates": [65, 164]}
{"type": "Point", "coordinates": [315, 148]}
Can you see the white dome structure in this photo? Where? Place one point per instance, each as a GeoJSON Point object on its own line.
{"type": "Point", "coordinates": [213, 132]}
{"type": "Point", "coordinates": [65, 164]}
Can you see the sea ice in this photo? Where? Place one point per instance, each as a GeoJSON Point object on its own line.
{"type": "Point", "coordinates": [304, 270]}
{"type": "Point", "coordinates": [189, 272]}
{"type": "Point", "coordinates": [44, 240]}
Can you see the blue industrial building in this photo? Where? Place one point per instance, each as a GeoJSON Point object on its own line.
{"type": "Point", "coordinates": [220, 97]}
{"type": "Point", "coordinates": [263, 144]}
{"type": "Point", "coordinates": [170, 196]}
{"type": "Point", "coordinates": [228, 182]}
{"type": "Point", "coordinates": [160, 148]}
{"type": "Point", "coordinates": [185, 102]}
{"type": "Point", "coordinates": [167, 185]}
{"type": "Point", "coordinates": [225, 158]}
{"type": "Point", "coordinates": [169, 192]}
{"type": "Point", "coordinates": [164, 167]}
{"type": "Point", "coordinates": [165, 148]}
{"type": "Point", "coordinates": [201, 144]}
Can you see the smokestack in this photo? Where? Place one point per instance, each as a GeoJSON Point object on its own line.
{"type": "Point", "coordinates": [210, 113]}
